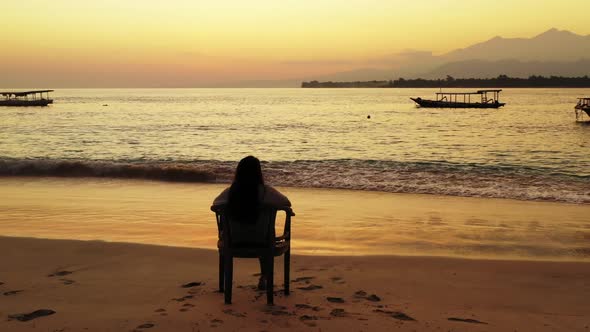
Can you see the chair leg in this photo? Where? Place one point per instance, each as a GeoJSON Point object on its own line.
{"type": "Point", "coordinates": [270, 280]}
{"type": "Point", "coordinates": [229, 271]}
{"type": "Point", "coordinates": [221, 272]}
{"type": "Point", "coordinates": [287, 268]}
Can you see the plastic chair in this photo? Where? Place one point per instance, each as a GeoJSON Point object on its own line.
{"type": "Point", "coordinates": [242, 240]}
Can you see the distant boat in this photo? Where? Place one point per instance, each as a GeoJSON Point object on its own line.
{"type": "Point", "coordinates": [462, 100]}
{"type": "Point", "coordinates": [26, 98]}
{"type": "Point", "coordinates": [582, 106]}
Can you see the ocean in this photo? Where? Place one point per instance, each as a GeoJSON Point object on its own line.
{"type": "Point", "coordinates": [143, 165]}
{"type": "Point", "coordinates": [360, 139]}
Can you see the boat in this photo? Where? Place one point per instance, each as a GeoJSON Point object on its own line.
{"type": "Point", "coordinates": [463, 100]}
{"type": "Point", "coordinates": [26, 98]}
{"type": "Point", "coordinates": [583, 105]}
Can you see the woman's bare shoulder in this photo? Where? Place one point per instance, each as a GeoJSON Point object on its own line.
{"type": "Point", "coordinates": [222, 197]}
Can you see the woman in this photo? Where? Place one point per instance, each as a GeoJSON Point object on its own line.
{"type": "Point", "coordinates": [246, 194]}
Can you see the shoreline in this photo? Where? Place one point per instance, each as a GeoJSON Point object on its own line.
{"type": "Point", "coordinates": [98, 286]}
{"type": "Point", "coordinates": [436, 178]}
{"type": "Point", "coordinates": [226, 184]}
{"type": "Point", "coordinates": [303, 255]}
{"type": "Point", "coordinates": [336, 256]}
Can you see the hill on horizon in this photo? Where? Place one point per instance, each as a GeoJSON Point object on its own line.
{"type": "Point", "coordinates": [553, 52]}
{"type": "Point", "coordinates": [551, 45]}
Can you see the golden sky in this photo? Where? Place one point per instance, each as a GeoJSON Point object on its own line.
{"type": "Point", "coordinates": [200, 40]}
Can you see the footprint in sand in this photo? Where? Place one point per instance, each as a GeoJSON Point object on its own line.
{"type": "Point", "coordinates": [181, 299]}
{"type": "Point", "coordinates": [466, 320]}
{"type": "Point", "coordinates": [363, 295]}
{"type": "Point", "coordinates": [307, 306]}
{"type": "Point", "coordinates": [401, 316]}
{"type": "Point", "coordinates": [335, 299]}
{"type": "Point", "coordinates": [338, 280]}
{"type": "Point", "coordinates": [373, 298]}
{"type": "Point", "coordinates": [233, 313]}
{"type": "Point", "coordinates": [216, 322]}
{"type": "Point", "coordinates": [310, 287]}
{"type": "Point", "coordinates": [360, 294]}
{"type": "Point", "coordinates": [395, 314]}
{"type": "Point", "coordinates": [308, 320]}
{"type": "Point", "coordinates": [161, 311]}
{"type": "Point", "coordinates": [192, 284]}
{"type": "Point", "coordinates": [303, 279]}
{"type": "Point", "coordinates": [13, 292]}
{"type": "Point", "coordinates": [279, 313]}
{"type": "Point", "coordinates": [308, 317]}
{"type": "Point", "coordinates": [31, 315]}
{"type": "Point", "coordinates": [60, 273]}
{"type": "Point", "coordinates": [276, 310]}
{"type": "Point", "coordinates": [338, 313]}
{"type": "Point", "coordinates": [146, 326]}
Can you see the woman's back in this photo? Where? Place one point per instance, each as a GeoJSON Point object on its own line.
{"type": "Point", "coordinates": [267, 195]}
{"type": "Point", "coordinates": [247, 201]}
{"type": "Point", "coordinates": [248, 205]}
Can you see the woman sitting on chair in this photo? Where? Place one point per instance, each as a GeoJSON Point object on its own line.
{"type": "Point", "coordinates": [246, 194]}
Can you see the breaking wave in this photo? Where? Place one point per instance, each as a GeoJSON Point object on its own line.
{"type": "Point", "coordinates": [439, 178]}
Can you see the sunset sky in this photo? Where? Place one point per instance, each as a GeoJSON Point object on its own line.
{"type": "Point", "coordinates": [191, 42]}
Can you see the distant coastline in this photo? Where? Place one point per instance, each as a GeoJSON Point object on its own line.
{"type": "Point", "coordinates": [501, 81]}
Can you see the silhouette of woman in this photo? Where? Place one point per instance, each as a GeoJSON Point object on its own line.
{"type": "Point", "coordinates": [246, 194]}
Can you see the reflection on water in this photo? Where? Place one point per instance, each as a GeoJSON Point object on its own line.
{"type": "Point", "coordinates": [535, 129]}
{"type": "Point", "coordinates": [532, 149]}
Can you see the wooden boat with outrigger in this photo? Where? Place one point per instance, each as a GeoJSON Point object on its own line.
{"type": "Point", "coordinates": [482, 99]}
{"type": "Point", "coordinates": [26, 98]}
{"type": "Point", "coordinates": [583, 106]}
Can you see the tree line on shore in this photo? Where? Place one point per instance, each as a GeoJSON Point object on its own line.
{"type": "Point", "coordinates": [502, 81]}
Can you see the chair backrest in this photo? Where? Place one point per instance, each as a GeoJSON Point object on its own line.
{"type": "Point", "coordinates": [239, 234]}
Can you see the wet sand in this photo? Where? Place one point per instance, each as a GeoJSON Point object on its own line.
{"type": "Point", "coordinates": [100, 286]}
{"type": "Point", "coordinates": [328, 221]}
{"type": "Point", "coordinates": [363, 261]}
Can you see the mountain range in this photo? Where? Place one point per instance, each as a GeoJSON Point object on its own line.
{"type": "Point", "coordinates": [553, 52]}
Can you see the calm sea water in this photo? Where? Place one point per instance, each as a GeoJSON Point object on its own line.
{"type": "Point", "coordinates": [532, 149]}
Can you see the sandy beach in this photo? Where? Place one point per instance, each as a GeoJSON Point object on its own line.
{"type": "Point", "coordinates": [98, 286]}
{"type": "Point", "coordinates": [363, 261]}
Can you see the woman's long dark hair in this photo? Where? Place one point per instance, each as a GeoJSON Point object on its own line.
{"type": "Point", "coordinates": [243, 200]}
